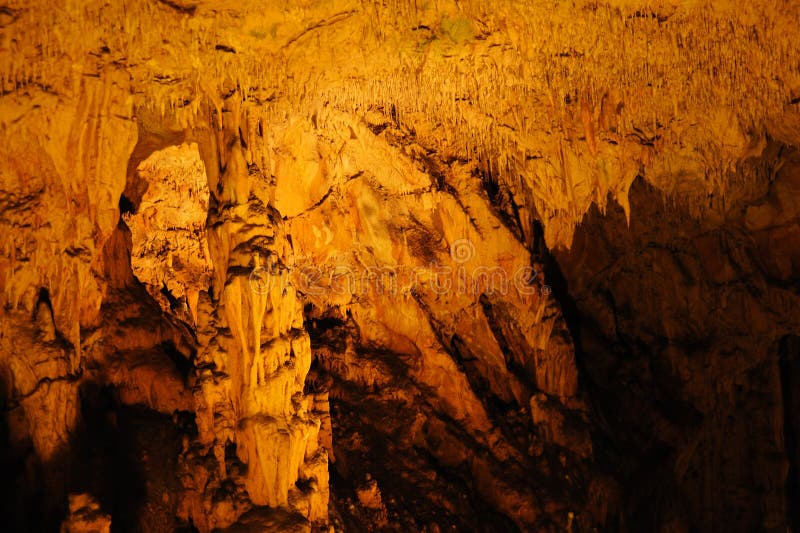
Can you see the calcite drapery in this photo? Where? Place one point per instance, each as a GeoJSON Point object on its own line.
{"type": "Point", "coordinates": [372, 139]}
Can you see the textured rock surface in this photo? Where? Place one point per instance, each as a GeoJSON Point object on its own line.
{"type": "Point", "coordinates": [169, 252]}
{"type": "Point", "coordinates": [85, 516]}
{"type": "Point", "coordinates": [696, 319]}
{"type": "Point", "coordinates": [399, 265]}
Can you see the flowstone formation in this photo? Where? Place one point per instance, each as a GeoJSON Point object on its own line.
{"type": "Point", "coordinates": [402, 266]}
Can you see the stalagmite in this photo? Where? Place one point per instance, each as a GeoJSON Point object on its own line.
{"type": "Point", "coordinates": [267, 267]}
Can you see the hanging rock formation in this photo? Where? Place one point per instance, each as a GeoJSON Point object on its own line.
{"type": "Point", "coordinates": [403, 266]}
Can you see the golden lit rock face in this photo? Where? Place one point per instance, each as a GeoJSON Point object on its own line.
{"type": "Point", "coordinates": [169, 252]}
{"type": "Point", "coordinates": [292, 262]}
{"type": "Point", "coordinates": [85, 516]}
{"type": "Point", "coordinates": [576, 99]}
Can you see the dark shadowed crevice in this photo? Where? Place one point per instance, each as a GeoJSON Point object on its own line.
{"type": "Point", "coordinates": [515, 348]}
{"type": "Point", "coordinates": [127, 457]}
{"type": "Point", "coordinates": [789, 354]}
{"type": "Point", "coordinates": [502, 202]}
{"type": "Point", "coordinates": [655, 304]}
{"type": "Point", "coordinates": [369, 437]}
{"type": "Point", "coordinates": [32, 497]}
{"type": "Point", "coordinates": [616, 368]}
{"type": "Point", "coordinates": [104, 457]}
{"type": "Point", "coordinates": [606, 452]}
{"type": "Point", "coordinates": [125, 205]}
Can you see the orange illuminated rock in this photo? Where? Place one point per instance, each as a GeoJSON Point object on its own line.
{"type": "Point", "coordinates": [85, 516]}
{"type": "Point", "coordinates": [529, 266]}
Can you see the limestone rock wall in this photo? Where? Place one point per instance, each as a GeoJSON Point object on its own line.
{"type": "Point", "coordinates": [707, 374]}
{"type": "Point", "coordinates": [288, 266]}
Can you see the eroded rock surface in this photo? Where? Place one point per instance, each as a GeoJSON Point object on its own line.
{"type": "Point", "coordinates": [399, 266]}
